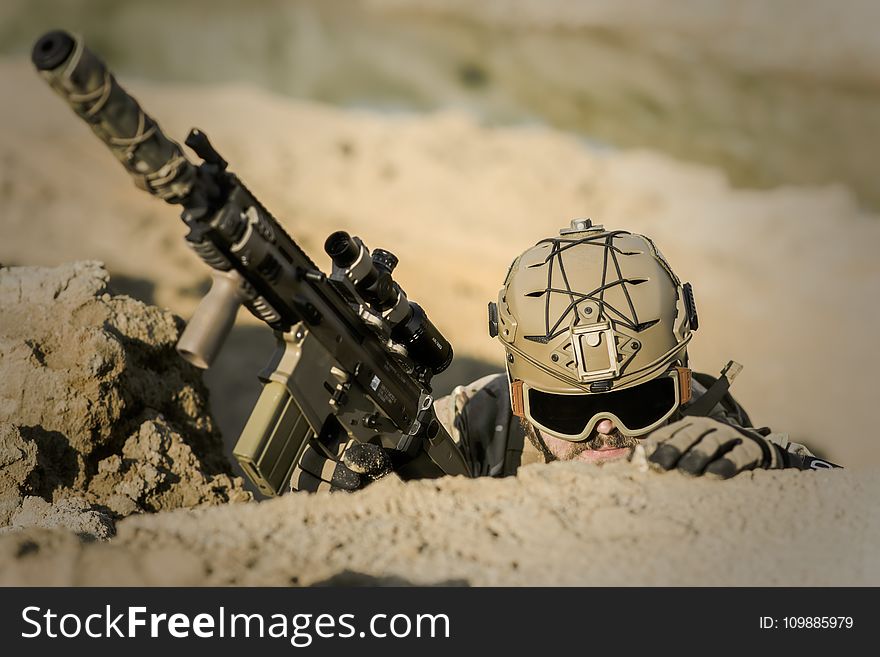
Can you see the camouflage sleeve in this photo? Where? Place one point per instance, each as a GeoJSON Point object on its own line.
{"type": "Point", "coordinates": [479, 419]}
{"type": "Point", "coordinates": [781, 440]}
{"type": "Point", "coordinates": [450, 413]}
{"type": "Point", "coordinates": [798, 456]}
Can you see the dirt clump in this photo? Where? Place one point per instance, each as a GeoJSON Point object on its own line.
{"type": "Point", "coordinates": [18, 460]}
{"type": "Point", "coordinates": [71, 513]}
{"type": "Point", "coordinates": [99, 417]}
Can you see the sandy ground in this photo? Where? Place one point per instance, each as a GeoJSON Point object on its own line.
{"type": "Point", "coordinates": [559, 524]}
{"type": "Point", "coordinates": [785, 279]}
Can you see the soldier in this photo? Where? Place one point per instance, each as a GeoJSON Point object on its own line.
{"type": "Point", "coordinates": [595, 326]}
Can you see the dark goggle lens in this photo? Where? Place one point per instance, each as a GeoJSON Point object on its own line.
{"type": "Point", "coordinates": [637, 407]}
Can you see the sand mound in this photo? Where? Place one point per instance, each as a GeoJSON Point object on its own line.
{"type": "Point", "coordinates": [96, 409]}
{"type": "Point", "coordinates": [558, 524]}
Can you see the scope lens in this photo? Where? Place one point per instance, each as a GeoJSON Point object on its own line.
{"type": "Point", "coordinates": [341, 248]}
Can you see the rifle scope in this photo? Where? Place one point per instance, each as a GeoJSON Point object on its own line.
{"type": "Point", "coordinates": [371, 276]}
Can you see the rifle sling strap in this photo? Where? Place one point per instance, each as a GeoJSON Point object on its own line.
{"type": "Point", "coordinates": [703, 405]}
{"type": "Point", "coordinates": [446, 454]}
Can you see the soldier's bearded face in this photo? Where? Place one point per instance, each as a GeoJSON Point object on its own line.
{"type": "Point", "coordinates": [605, 443]}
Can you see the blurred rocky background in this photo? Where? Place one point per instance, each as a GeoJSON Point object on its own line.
{"type": "Point", "coordinates": [771, 92]}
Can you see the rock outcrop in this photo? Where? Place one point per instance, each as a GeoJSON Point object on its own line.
{"type": "Point", "coordinates": [99, 417]}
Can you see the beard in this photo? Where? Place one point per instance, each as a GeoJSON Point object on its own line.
{"type": "Point", "coordinates": [570, 450]}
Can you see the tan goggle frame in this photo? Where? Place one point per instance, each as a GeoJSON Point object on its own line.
{"type": "Point", "coordinates": [519, 403]}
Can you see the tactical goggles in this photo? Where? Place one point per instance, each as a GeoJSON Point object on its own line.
{"type": "Point", "coordinates": [635, 411]}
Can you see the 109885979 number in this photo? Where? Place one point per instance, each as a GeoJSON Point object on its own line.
{"type": "Point", "coordinates": [817, 622]}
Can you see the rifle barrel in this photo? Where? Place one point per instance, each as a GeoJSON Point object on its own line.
{"type": "Point", "coordinates": [156, 163]}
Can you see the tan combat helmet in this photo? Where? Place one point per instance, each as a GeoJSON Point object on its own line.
{"type": "Point", "coordinates": [586, 317]}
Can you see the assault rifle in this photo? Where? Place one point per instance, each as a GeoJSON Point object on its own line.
{"type": "Point", "coordinates": [355, 357]}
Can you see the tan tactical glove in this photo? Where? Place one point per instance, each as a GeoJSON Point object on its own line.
{"type": "Point", "coordinates": [361, 463]}
{"type": "Point", "coordinates": [703, 446]}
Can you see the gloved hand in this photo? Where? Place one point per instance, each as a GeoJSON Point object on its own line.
{"type": "Point", "coordinates": [361, 463]}
{"type": "Point", "coordinates": [703, 446]}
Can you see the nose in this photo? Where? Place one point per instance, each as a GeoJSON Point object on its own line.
{"type": "Point", "coordinates": [605, 426]}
